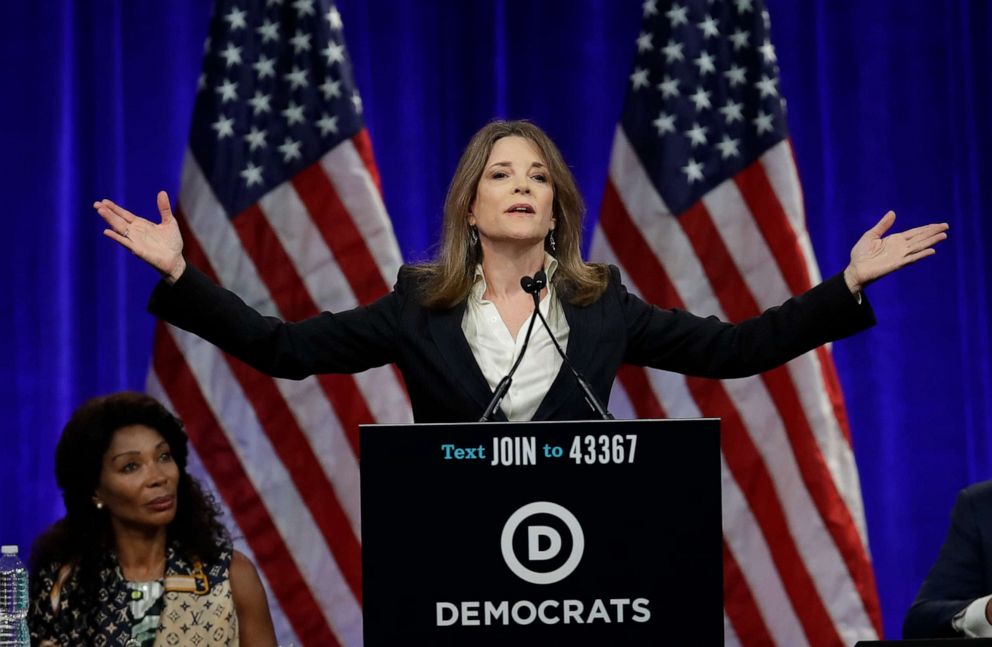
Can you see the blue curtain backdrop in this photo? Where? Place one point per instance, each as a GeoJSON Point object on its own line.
{"type": "Point", "coordinates": [888, 107]}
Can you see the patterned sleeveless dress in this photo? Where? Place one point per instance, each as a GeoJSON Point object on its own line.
{"type": "Point", "coordinates": [191, 605]}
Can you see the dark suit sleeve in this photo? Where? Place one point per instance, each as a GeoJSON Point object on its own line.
{"type": "Point", "coordinates": [960, 574]}
{"type": "Point", "coordinates": [676, 340]}
{"type": "Point", "coordinates": [344, 342]}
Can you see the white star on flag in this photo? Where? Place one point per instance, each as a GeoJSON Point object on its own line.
{"type": "Point", "coordinates": [224, 127]}
{"type": "Point", "coordinates": [264, 67]}
{"type": "Point", "coordinates": [268, 31]}
{"type": "Point", "coordinates": [728, 147]}
{"type": "Point", "coordinates": [732, 112]}
{"type": "Point", "coordinates": [739, 39]}
{"type": "Point", "coordinates": [763, 122]}
{"type": "Point", "coordinates": [693, 171]}
{"type": "Point", "coordinates": [255, 139]}
{"type": "Point", "coordinates": [677, 15]}
{"type": "Point", "coordinates": [644, 42]}
{"type": "Point", "coordinates": [228, 90]}
{"type": "Point", "coordinates": [665, 123]}
{"type": "Point", "coordinates": [304, 7]}
{"type": "Point", "coordinates": [293, 114]}
{"type": "Point", "coordinates": [260, 103]}
{"type": "Point", "coordinates": [334, 18]}
{"type": "Point", "coordinates": [709, 27]}
{"type": "Point", "coordinates": [669, 87]}
{"type": "Point", "coordinates": [334, 53]}
{"type": "Point", "coordinates": [327, 124]}
{"type": "Point", "coordinates": [236, 19]}
{"type": "Point", "coordinates": [330, 88]}
{"type": "Point", "coordinates": [705, 63]}
{"type": "Point", "coordinates": [300, 42]}
{"type": "Point", "coordinates": [297, 78]}
{"type": "Point", "coordinates": [701, 98]}
{"type": "Point", "coordinates": [639, 78]}
{"type": "Point", "coordinates": [231, 55]}
{"type": "Point", "coordinates": [252, 174]}
{"type": "Point", "coordinates": [736, 75]}
{"type": "Point", "coordinates": [767, 87]}
{"type": "Point", "coordinates": [768, 52]}
{"type": "Point", "coordinates": [672, 51]}
{"type": "Point", "coordinates": [697, 135]}
{"type": "Point", "coordinates": [290, 150]}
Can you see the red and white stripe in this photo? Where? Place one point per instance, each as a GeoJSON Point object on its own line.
{"type": "Point", "coordinates": [283, 454]}
{"type": "Point", "coordinates": [796, 564]}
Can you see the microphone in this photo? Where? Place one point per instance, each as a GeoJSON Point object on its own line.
{"type": "Point", "coordinates": [504, 384]}
{"type": "Point", "coordinates": [534, 287]}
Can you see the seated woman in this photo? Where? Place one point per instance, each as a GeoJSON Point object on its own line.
{"type": "Point", "coordinates": [140, 557]}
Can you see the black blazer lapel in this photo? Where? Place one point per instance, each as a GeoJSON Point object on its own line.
{"type": "Point", "coordinates": [446, 330]}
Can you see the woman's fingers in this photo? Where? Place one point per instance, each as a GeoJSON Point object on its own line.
{"type": "Point", "coordinates": [924, 237]}
{"type": "Point", "coordinates": [925, 230]}
{"type": "Point", "coordinates": [884, 224]}
{"type": "Point", "coordinates": [912, 258]}
{"type": "Point", "coordinates": [115, 222]}
{"type": "Point", "coordinates": [116, 217]}
{"type": "Point", "coordinates": [123, 240]}
{"type": "Point", "coordinates": [164, 208]}
{"type": "Point", "coordinates": [925, 243]}
{"type": "Point", "coordinates": [116, 209]}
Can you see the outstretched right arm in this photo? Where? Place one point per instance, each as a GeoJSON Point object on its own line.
{"type": "Point", "coordinates": [344, 342]}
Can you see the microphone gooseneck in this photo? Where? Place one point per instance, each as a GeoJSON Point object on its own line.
{"type": "Point", "coordinates": [504, 385]}
{"type": "Point", "coordinates": [534, 287]}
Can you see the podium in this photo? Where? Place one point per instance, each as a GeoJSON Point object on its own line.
{"type": "Point", "coordinates": [542, 533]}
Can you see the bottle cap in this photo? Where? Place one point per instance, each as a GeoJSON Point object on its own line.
{"type": "Point", "coordinates": [8, 549]}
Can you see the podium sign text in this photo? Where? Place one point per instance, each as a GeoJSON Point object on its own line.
{"type": "Point", "coordinates": [600, 532]}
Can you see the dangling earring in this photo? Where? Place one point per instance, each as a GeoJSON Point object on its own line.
{"type": "Point", "coordinates": [473, 235]}
{"type": "Point", "coordinates": [99, 505]}
{"type": "Point", "coordinates": [551, 241]}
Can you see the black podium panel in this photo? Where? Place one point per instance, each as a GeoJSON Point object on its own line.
{"type": "Point", "coordinates": [578, 533]}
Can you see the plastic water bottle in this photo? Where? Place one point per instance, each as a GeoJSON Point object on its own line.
{"type": "Point", "coordinates": [13, 600]}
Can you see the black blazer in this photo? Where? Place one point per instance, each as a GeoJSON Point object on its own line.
{"type": "Point", "coordinates": [963, 570]}
{"type": "Point", "coordinates": [442, 377]}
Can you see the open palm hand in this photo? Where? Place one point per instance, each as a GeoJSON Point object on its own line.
{"type": "Point", "coordinates": [876, 254]}
{"type": "Point", "coordinates": [159, 245]}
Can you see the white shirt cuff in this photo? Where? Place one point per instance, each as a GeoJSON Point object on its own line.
{"type": "Point", "coordinates": [971, 621]}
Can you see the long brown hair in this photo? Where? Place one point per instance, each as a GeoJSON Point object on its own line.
{"type": "Point", "coordinates": [447, 280]}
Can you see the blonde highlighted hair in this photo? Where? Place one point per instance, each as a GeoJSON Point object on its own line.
{"type": "Point", "coordinates": [447, 280]}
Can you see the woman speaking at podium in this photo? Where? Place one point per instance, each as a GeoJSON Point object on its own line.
{"type": "Point", "coordinates": [456, 327]}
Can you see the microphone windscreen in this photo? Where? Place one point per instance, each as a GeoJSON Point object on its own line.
{"type": "Point", "coordinates": [527, 283]}
{"type": "Point", "coordinates": [540, 280]}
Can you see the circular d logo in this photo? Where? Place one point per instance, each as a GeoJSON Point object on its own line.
{"type": "Point", "coordinates": [543, 542]}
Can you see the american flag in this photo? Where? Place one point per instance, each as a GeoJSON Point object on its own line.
{"type": "Point", "coordinates": [280, 202]}
{"type": "Point", "coordinates": [703, 211]}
